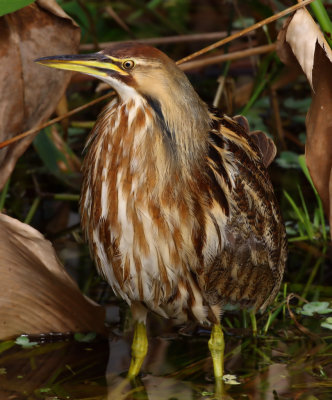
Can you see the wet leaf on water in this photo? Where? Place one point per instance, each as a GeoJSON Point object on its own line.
{"type": "Point", "coordinates": [29, 92]}
{"type": "Point", "coordinates": [231, 379]}
{"type": "Point", "coordinates": [318, 307]}
{"type": "Point", "coordinates": [24, 341]}
{"type": "Point", "coordinates": [327, 323]}
{"type": "Point", "coordinates": [36, 293]}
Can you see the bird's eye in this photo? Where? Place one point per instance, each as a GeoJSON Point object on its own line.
{"type": "Point", "coordinates": [128, 64]}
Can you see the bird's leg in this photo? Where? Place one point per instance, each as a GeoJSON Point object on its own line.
{"type": "Point", "coordinates": [139, 347]}
{"type": "Point", "coordinates": [217, 346]}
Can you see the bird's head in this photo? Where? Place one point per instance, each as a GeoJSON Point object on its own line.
{"type": "Point", "coordinates": [139, 71]}
{"type": "Point", "coordinates": [127, 67]}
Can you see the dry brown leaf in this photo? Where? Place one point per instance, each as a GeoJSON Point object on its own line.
{"type": "Point", "coordinates": [36, 293]}
{"type": "Point", "coordinates": [30, 93]}
{"type": "Point", "coordinates": [301, 42]}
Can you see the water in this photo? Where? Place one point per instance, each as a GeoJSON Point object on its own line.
{"type": "Point", "coordinates": [284, 364]}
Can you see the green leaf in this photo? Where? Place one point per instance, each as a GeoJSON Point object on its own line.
{"type": "Point", "coordinates": [85, 337]}
{"type": "Point", "coordinates": [318, 307]}
{"type": "Point", "coordinates": [299, 105]}
{"type": "Point", "coordinates": [25, 342]}
{"type": "Point", "coordinates": [243, 22]}
{"type": "Point", "coordinates": [48, 152]}
{"type": "Point", "coordinates": [327, 323]}
{"type": "Point", "coordinates": [6, 345]}
{"type": "Point", "coordinates": [52, 157]}
{"type": "Point", "coordinates": [9, 6]}
{"type": "Point", "coordinates": [288, 159]}
{"type": "Point", "coordinates": [45, 390]}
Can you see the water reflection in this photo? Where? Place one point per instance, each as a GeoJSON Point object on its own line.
{"type": "Point", "coordinates": [177, 368]}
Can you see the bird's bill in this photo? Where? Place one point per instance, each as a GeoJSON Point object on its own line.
{"type": "Point", "coordinates": [96, 64]}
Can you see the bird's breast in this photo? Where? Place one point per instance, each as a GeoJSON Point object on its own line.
{"type": "Point", "coordinates": [145, 228]}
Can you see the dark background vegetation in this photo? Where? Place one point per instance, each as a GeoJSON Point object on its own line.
{"type": "Point", "coordinates": [44, 187]}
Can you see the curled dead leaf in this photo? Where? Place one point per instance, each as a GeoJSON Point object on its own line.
{"type": "Point", "coordinates": [302, 43]}
{"type": "Point", "coordinates": [30, 93]}
{"type": "Point", "coordinates": [36, 293]}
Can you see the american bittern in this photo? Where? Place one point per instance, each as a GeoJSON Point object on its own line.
{"type": "Point", "coordinates": [176, 201]}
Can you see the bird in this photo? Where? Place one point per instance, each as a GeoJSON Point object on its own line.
{"type": "Point", "coordinates": [176, 202]}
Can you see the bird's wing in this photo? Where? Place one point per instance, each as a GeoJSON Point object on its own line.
{"type": "Point", "coordinates": [265, 145]}
{"type": "Point", "coordinates": [249, 267]}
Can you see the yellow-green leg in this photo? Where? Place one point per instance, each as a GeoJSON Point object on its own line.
{"type": "Point", "coordinates": [139, 348]}
{"type": "Point", "coordinates": [217, 347]}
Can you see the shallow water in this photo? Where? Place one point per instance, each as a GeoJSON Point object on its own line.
{"type": "Point", "coordinates": [282, 365]}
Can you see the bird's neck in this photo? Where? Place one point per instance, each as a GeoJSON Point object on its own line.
{"type": "Point", "coordinates": [145, 137]}
{"type": "Point", "coordinates": [183, 124]}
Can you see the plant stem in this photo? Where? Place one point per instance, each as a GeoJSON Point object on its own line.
{"type": "Point", "coordinates": [66, 197]}
{"type": "Point", "coordinates": [3, 194]}
{"type": "Point", "coordinates": [253, 323]}
{"type": "Point", "coordinates": [32, 210]}
{"type": "Point", "coordinates": [312, 276]}
{"type": "Point", "coordinates": [323, 19]}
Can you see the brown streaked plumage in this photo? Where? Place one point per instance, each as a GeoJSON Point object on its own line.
{"type": "Point", "coordinates": [176, 204]}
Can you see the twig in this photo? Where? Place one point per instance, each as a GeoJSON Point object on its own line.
{"type": "Point", "coordinates": [197, 37]}
{"type": "Point", "coordinates": [54, 120]}
{"type": "Point", "coordinates": [229, 56]}
{"type": "Point", "coordinates": [277, 118]}
{"type": "Point", "coordinates": [300, 327]}
{"type": "Point", "coordinates": [110, 11]}
{"type": "Point", "coordinates": [245, 31]}
{"type": "Point", "coordinates": [294, 139]}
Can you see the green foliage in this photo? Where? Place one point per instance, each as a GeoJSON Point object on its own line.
{"type": "Point", "coordinates": [268, 70]}
{"type": "Point", "coordinates": [323, 19]}
{"type": "Point", "coordinates": [9, 6]}
{"type": "Point", "coordinates": [288, 159]}
{"type": "Point", "coordinates": [85, 337]}
{"type": "Point", "coordinates": [3, 195]}
{"type": "Point", "coordinates": [6, 345]}
{"type": "Point", "coordinates": [254, 114]}
{"type": "Point", "coordinates": [307, 227]}
{"type": "Point", "coordinates": [54, 159]}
